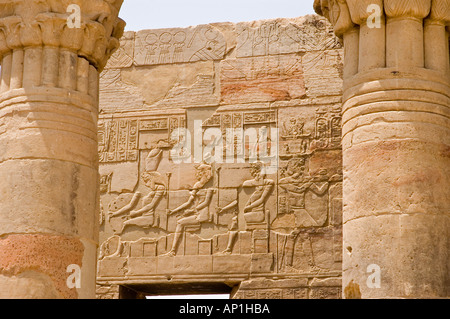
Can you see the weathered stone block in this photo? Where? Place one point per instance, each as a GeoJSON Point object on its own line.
{"type": "Point", "coordinates": [260, 79]}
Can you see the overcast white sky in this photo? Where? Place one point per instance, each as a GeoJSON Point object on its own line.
{"type": "Point", "coordinates": [154, 14]}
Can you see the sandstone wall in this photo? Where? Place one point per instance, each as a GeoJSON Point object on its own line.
{"type": "Point", "coordinates": [267, 233]}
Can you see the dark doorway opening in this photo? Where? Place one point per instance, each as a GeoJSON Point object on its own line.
{"type": "Point", "coordinates": [142, 291]}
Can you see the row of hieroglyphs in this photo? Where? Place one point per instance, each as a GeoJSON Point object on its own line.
{"type": "Point", "coordinates": [209, 42]}
{"type": "Point", "coordinates": [119, 138]}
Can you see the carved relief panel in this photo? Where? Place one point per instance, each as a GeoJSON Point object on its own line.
{"type": "Point", "coordinates": [224, 218]}
{"type": "Point", "coordinates": [253, 188]}
{"type": "Point", "coordinates": [166, 46]}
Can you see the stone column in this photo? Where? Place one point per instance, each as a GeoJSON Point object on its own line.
{"type": "Point", "coordinates": [396, 147]}
{"type": "Point", "coordinates": [48, 143]}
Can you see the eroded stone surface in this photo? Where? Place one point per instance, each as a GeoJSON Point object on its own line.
{"type": "Point", "coordinates": [30, 259]}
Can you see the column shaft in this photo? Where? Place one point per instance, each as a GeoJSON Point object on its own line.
{"type": "Point", "coordinates": [396, 149]}
{"type": "Point", "coordinates": [6, 72]}
{"type": "Point", "coordinates": [372, 47]}
{"type": "Point", "coordinates": [351, 54]}
{"type": "Point", "coordinates": [404, 42]}
{"type": "Point", "coordinates": [49, 188]}
{"type": "Point", "coordinates": [32, 67]}
{"type": "Point", "coordinates": [436, 47]}
{"type": "Point", "coordinates": [396, 138]}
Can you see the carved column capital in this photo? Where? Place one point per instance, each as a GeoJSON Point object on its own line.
{"type": "Point", "coordinates": [440, 11]}
{"type": "Point", "coordinates": [337, 12]}
{"type": "Point", "coordinates": [360, 10]}
{"type": "Point", "coordinates": [407, 8]}
{"type": "Point", "coordinates": [344, 14]}
{"type": "Point", "coordinates": [31, 23]}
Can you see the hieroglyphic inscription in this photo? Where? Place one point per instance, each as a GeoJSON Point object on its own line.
{"type": "Point", "coordinates": [119, 138]}
{"type": "Point", "coordinates": [118, 141]}
{"type": "Point", "coordinates": [165, 46]}
{"type": "Point", "coordinates": [233, 125]}
{"type": "Point", "coordinates": [281, 36]}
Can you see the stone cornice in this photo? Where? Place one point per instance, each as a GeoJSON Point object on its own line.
{"type": "Point", "coordinates": [33, 23]}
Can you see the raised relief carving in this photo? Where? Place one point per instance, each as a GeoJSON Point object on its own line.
{"type": "Point", "coordinates": [105, 183]}
{"type": "Point", "coordinates": [282, 37]}
{"type": "Point", "coordinates": [118, 141]}
{"type": "Point", "coordinates": [294, 187]}
{"type": "Point", "coordinates": [146, 216]}
{"type": "Point", "coordinates": [233, 230]}
{"type": "Point", "coordinates": [124, 56]}
{"type": "Point", "coordinates": [196, 218]}
{"type": "Point", "coordinates": [166, 46]}
{"type": "Point", "coordinates": [119, 138]}
{"type": "Point", "coordinates": [299, 138]}
{"type": "Point", "coordinates": [298, 141]}
{"type": "Point", "coordinates": [233, 127]}
{"type": "Point", "coordinates": [115, 94]}
{"type": "Point", "coordinates": [177, 85]}
{"type": "Point", "coordinates": [328, 130]}
{"type": "Point", "coordinates": [215, 221]}
{"type": "Point", "coordinates": [112, 247]}
{"type": "Point", "coordinates": [323, 73]}
{"type": "Point", "coordinates": [201, 92]}
{"type": "Point", "coordinates": [255, 212]}
{"type": "Point", "coordinates": [194, 211]}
